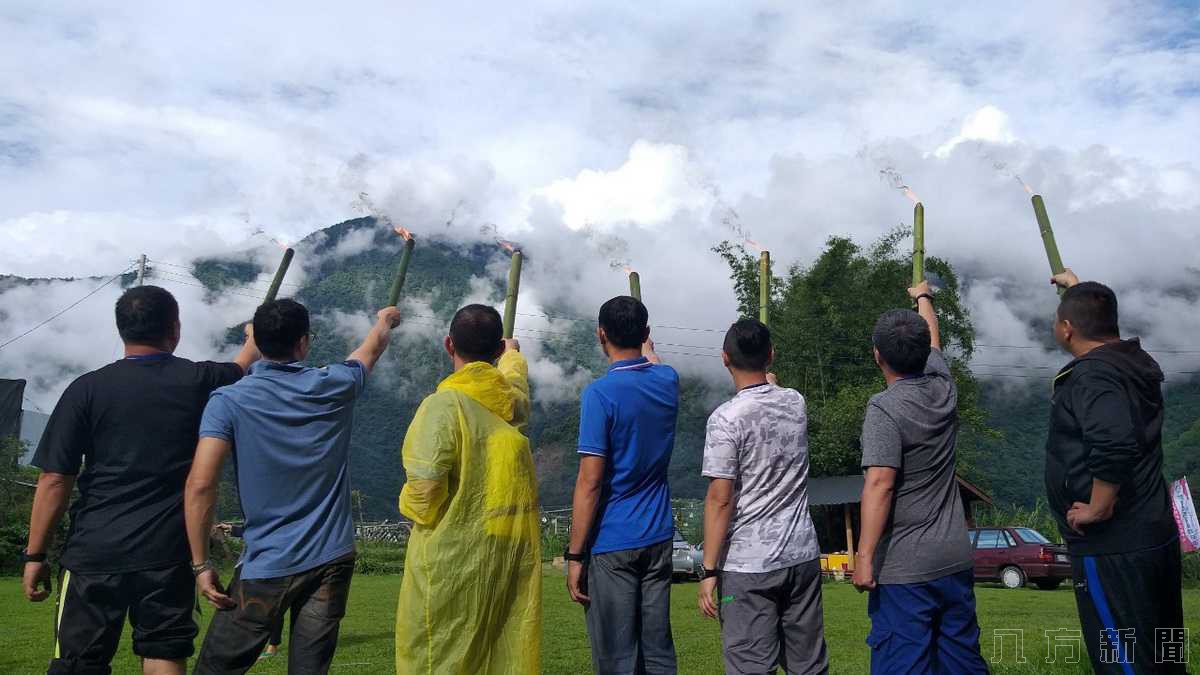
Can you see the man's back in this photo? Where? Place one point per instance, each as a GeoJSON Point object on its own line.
{"type": "Point", "coordinates": [628, 417]}
{"type": "Point", "coordinates": [1106, 422]}
{"type": "Point", "coordinates": [290, 428]}
{"type": "Point", "coordinates": [759, 439]}
{"type": "Point", "coordinates": [132, 427]}
{"type": "Point", "coordinates": [912, 426]}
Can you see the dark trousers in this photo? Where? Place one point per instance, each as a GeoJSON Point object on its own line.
{"type": "Point", "coordinates": [629, 616]}
{"type": "Point", "coordinates": [1131, 610]}
{"type": "Point", "coordinates": [317, 601]}
{"type": "Point", "coordinates": [773, 618]}
{"type": "Point", "coordinates": [926, 627]}
{"type": "Point", "coordinates": [92, 610]}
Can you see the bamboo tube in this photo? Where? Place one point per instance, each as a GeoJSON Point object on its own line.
{"type": "Point", "coordinates": [1052, 255]}
{"type": "Point", "coordinates": [273, 290]}
{"type": "Point", "coordinates": [635, 285]}
{"type": "Point", "coordinates": [764, 287]}
{"type": "Point", "coordinates": [401, 272]}
{"type": "Point", "coordinates": [510, 299]}
{"type": "Point", "coordinates": [918, 256]}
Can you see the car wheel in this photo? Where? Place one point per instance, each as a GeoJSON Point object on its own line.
{"type": "Point", "coordinates": [1048, 584]}
{"type": "Point", "coordinates": [1012, 577]}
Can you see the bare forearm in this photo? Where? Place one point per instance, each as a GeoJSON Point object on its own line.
{"type": "Point", "coordinates": [247, 356]}
{"type": "Point", "coordinates": [1104, 495]}
{"type": "Point", "coordinates": [583, 513]}
{"type": "Point", "coordinates": [200, 501]}
{"type": "Point", "coordinates": [49, 503]}
{"type": "Point", "coordinates": [375, 344]}
{"type": "Point", "coordinates": [925, 309]}
{"type": "Point", "coordinates": [717, 514]}
{"type": "Point", "coordinates": [876, 506]}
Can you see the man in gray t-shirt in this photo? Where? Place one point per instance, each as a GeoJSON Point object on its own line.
{"type": "Point", "coordinates": [760, 547]}
{"type": "Point", "coordinates": [914, 555]}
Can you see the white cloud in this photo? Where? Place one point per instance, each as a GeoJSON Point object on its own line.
{"type": "Point", "coordinates": [989, 124]}
{"type": "Point", "coordinates": [649, 188]}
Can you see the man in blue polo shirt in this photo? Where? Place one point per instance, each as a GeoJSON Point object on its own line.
{"type": "Point", "coordinates": [619, 556]}
{"type": "Point", "coordinates": [288, 426]}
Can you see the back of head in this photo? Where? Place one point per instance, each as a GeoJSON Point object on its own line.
{"type": "Point", "coordinates": [903, 340]}
{"type": "Point", "coordinates": [624, 320]}
{"type": "Point", "coordinates": [1091, 307]}
{"type": "Point", "coordinates": [477, 333]}
{"type": "Point", "coordinates": [146, 315]}
{"type": "Point", "coordinates": [748, 345]}
{"type": "Point", "coordinates": [278, 327]}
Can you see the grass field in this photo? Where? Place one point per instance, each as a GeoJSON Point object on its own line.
{"type": "Point", "coordinates": [367, 631]}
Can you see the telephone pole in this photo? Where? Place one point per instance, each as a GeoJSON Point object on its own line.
{"type": "Point", "coordinates": [141, 269]}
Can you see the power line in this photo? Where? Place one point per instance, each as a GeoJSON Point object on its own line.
{"type": "Point", "coordinates": [69, 307]}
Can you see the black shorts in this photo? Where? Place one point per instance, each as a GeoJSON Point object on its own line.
{"type": "Point", "coordinates": [92, 610]}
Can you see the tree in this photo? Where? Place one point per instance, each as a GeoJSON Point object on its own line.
{"type": "Point", "coordinates": [822, 317]}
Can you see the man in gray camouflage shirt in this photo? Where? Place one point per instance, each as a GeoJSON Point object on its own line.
{"type": "Point", "coordinates": [760, 547]}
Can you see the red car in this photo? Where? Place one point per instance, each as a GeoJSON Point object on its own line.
{"type": "Point", "coordinates": [1017, 555]}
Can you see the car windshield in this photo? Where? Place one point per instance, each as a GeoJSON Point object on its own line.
{"type": "Point", "coordinates": [1032, 536]}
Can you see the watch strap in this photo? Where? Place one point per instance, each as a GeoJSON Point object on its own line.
{"type": "Point", "coordinates": [574, 557]}
{"type": "Point", "coordinates": [197, 570]}
{"type": "Point", "coordinates": [27, 557]}
{"type": "Point", "coordinates": [707, 573]}
{"type": "Point", "coordinates": [923, 295]}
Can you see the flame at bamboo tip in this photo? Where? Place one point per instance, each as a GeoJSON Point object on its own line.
{"type": "Point", "coordinates": [755, 245]}
{"type": "Point", "coordinates": [509, 246]}
{"type": "Point", "coordinates": [404, 232]}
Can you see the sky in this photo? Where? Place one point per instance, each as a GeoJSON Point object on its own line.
{"type": "Point", "coordinates": [596, 132]}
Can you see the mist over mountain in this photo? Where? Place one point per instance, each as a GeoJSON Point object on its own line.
{"type": "Point", "coordinates": [342, 274]}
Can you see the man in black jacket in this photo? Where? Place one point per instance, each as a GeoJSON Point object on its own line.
{"type": "Point", "coordinates": [1106, 488]}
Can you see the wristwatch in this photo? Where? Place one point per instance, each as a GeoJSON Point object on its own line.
{"type": "Point", "coordinates": [27, 557]}
{"type": "Point", "coordinates": [574, 557]}
{"type": "Point", "coordinates": [707, 573]}
{"type": "Point", "coordinates": [197, 570]}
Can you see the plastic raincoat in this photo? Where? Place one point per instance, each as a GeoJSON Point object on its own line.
{"type": "Point", "coordinates": [471, 598]}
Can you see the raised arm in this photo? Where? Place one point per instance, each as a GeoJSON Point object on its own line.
{"type": "Point", "coordinates": [376, 343]}
{"type": "Point", "coordinates": [249, 353]}
{"type": "Point", "coordinates": [515, 369]}
{"type": "Point", "coordinates": [923, 296]}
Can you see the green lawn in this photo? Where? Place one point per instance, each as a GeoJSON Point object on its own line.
{"type": "Point", "coordinates": [366, 643]}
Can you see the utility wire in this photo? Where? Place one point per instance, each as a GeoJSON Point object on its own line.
{"type": "Point", "coordinates": [69, 307]}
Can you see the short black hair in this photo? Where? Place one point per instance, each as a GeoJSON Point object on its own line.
{"type": "Point", "coordinates": [624, 320]}
{"type": "Point", "coordinates": [278, 326]}
{"type": "Point", "coordinates": [748, 344]}
{"type": "Point", "coordinates": [903, 340]}
{"type": "Point", "coordinates": [477, 333]}
{"type": "Point", "coordinates": [146, 315]}
{"type": "Point", "coordinates": [1091, 307]}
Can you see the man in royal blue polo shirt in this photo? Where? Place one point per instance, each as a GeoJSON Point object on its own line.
{"type": "Point", "coordinates": [288, 428]}
{"type": "Point", "coordinates": [619, 556]}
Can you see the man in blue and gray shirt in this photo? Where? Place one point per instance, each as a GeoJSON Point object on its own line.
{"type": "Point", "coordinates": [619, 556]}
{"type": "Point", "coordinates": [288, 426]}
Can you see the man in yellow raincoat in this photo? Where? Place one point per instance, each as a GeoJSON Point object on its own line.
{"type": "Point", "coordinates": [471, 598]}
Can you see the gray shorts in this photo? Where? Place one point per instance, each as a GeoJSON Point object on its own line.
{"type": "Point", "coordinates": [629, 617]}
{"type": "Point", "coordinates": [773, 619]}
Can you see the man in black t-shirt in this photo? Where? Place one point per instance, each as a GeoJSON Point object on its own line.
{"type": "Point", "coordinates": [125, 434]}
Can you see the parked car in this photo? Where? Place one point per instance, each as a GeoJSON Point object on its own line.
{"type": "Point", "coordinates": [1015, 556]}
{"type": "Point", "coordinates": [687, 561]}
